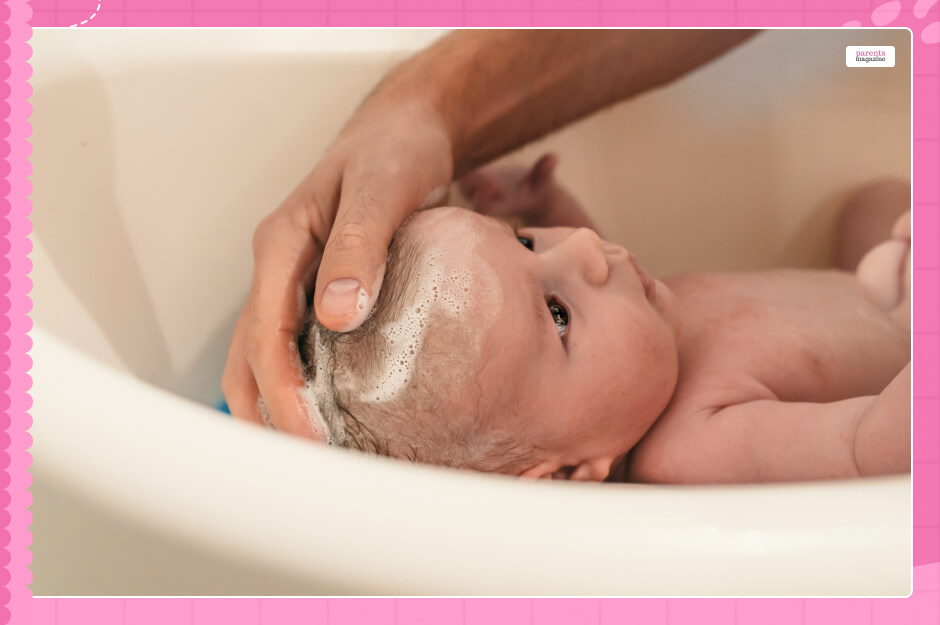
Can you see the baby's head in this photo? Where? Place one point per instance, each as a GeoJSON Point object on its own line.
{"type": "Point", "coordinates": [543, 352]}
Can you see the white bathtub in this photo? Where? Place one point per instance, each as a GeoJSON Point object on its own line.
{"type": "Point", "coordinates": [157, 152]}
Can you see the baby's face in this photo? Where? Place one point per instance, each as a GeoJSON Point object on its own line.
{"type": "Point", "coordinates": [583, 347]}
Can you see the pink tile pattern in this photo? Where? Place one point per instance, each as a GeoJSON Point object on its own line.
{"type": "Point", "coordinates": [14, 308]}
{"type": "Point", "coordinates": [18, 16]}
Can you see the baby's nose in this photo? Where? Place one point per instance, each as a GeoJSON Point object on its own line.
{"type": "Point", "coordinates": [585, 251]}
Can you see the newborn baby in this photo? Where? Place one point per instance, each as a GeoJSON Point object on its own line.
{"type": "Point", "coordinates": [550, 353]}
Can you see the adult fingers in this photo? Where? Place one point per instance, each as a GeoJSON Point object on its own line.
{"type": "Point", "coordinates": [238, 381]}
{"type": "Point", "coordinates": [284, 250]}
{"type": "Point", "coordinates": [372, 206]}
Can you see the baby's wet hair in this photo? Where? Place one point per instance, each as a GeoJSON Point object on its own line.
{"type": "Point", "coordinates": [420, 423]}
{"type": "Point", "coordinates": [321, 348]}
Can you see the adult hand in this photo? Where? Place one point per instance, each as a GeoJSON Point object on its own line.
{"type": "Point", "coordinates": [472, 96]}
{"type": "Point", "coordinates": [390, 160]}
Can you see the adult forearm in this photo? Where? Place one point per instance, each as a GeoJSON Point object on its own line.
{"type": "Point", "coordinates": [496, 90]}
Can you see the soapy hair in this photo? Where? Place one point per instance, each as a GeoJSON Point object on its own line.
{"type": "Point", "coordinates": [420, 423]}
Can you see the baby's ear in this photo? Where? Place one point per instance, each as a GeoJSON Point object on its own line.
{"type": "Point", "coordinates": [595, 470]}
{"type": "Point", "coordinates": [542, 471]}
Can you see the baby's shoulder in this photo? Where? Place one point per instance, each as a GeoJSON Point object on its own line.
{"type": "Point", "coordinates": [809, 335]}
{"type": "Point", "coordinates": [675, 438]}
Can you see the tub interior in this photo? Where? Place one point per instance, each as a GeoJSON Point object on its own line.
{"type": "Point", "coordinates": [157, 152]}
{"type": "Point", "coordinates": [162, 169]}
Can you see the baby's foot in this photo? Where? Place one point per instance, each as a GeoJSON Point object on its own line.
{"type": "Point", "coordinates": [867, 217]}
{"type": "Point", "coordinates": [885, 273]}
{"type": "Point", "coordinates": [508, 191]}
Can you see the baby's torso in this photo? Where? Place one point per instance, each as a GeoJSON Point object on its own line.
{"type": "Point", "coordinates": [788, 335]}
{"type": "Point", "coordinates": [797, 335]}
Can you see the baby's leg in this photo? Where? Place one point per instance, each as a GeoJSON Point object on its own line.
{"type": "Point", "coordinates": [885, 273]}
{"type": "Point", "coordinates": [868, 218]}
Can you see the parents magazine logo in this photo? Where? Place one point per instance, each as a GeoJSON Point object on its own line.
{"type": "Point", "coordinates": [869, 56]}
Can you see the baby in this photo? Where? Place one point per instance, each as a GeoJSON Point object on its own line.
{"type": "Point", "coordinates": [548, 352]}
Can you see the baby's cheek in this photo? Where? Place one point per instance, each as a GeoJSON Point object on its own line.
{"type": "Point", "coordinates": [655, 370]}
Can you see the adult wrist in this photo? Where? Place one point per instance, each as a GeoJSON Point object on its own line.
{"type": "Point", "coordinates": [435, 83]}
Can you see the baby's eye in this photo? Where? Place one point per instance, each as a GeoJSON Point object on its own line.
{"type": "Point", "coordinates": [527, 242]}
{"type": "Point", "coordinates": [559, 316]}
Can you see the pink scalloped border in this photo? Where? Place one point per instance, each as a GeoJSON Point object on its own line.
{"type": "Point", "coordinates": [15, 306]}
{"type": "Point", "coordinates": [15, 15]}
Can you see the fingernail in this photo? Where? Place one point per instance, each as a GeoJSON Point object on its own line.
{"type": "Point", "coordinates": [340, 297]}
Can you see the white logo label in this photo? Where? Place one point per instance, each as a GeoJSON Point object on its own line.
{"type": "Point", "coordinates": [869, 56]}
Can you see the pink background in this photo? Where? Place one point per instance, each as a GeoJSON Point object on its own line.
{"type": "Point", "coordinates": [921, 16]}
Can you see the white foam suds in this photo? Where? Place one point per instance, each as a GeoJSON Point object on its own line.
{"type": "Point", "coordinates": [317, 394]}
{"type": "Point", "coordinates": [445, 285]}
{"type": "Point", "coordinates": [453, 281]}
{"type": "Point", "coordinates": [445, 290]}
{"type": "Point", "coordinates": [263, 411]}
{"type": "Point", "coordinates": [369, 305]}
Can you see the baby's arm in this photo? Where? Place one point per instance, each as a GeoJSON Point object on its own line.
{"type": "Point", "coordinates": [530, 195]}
{"type": "Point", "coordinates": [883, 436]}
{"type": "Point", "coordinates": [770, 440]}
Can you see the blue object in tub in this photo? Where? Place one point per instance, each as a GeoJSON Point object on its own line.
{"type": "Point", "coordinates": [221, 406]}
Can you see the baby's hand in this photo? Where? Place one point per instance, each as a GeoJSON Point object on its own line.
{"type": "Point", "coordinates": [512, 191]}
{"type": "Point", "coordinates": [883, 433]}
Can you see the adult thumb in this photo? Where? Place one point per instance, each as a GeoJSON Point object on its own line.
{"type": "Point", "coordinates": [353, 265]}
